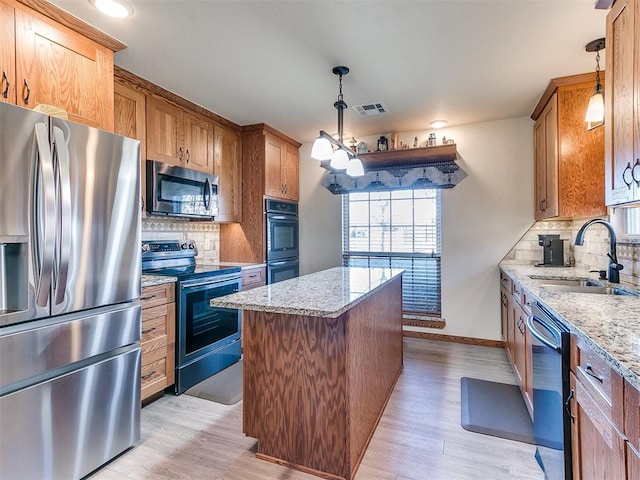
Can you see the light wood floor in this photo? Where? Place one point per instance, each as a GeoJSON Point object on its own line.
{"type": "Point", "coordinates": [419, 436]}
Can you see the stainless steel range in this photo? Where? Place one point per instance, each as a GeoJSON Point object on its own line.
{"type": "Point", "coordinates": [207, 338]}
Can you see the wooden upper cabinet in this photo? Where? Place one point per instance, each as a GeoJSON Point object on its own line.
{"type": "Point", "coordinates": [177, 136]}
{"type": "Point", "coordinates": [281, 168]}
{"type": "Point", "coordinates": [7, 54]}
{"type": "Point", "coordinates": [290, 171]}
{"type": "Point", "coordinates": [57, 66]}
{"type": "Point", "coordinates": [198, 142]}
{"type": "Point", "coordinates": [228, 167]}
{"type": "Point", "coordinates": [622, 103]}
{"type": "Point", "coordinates": [274, 151]}
{"type": "Point", "coordinates": [129, 120]}
{"type": "Point", "coordinates": [546, 161]}
{"type": "Point", "coordinates": [569, 159]}
{"type": "Point", "coordinates": [164, 131]}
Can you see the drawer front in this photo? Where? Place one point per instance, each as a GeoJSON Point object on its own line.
{"type": "Point", "coordinates": [591, 368]}
{"type": "Point", "coordinates": [154, 322]}
{"type": "Point", "coordinates": [154, 372]}
{"type": "Point", "coordinates": [157, 295]}
{"type": "Point", "coordinates": [254, 277]}
{"type": "Point", "coordinates": [505, 281]}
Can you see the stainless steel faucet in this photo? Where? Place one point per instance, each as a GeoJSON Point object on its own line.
{"type": "Point", "coordinates": [614, 266]}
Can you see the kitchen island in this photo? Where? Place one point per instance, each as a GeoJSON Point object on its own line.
{"type": "Point", "coordinates": [322, 354]}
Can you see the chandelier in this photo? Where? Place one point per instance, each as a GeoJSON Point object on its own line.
{"type": "Point", "coordinates": [326, 147]}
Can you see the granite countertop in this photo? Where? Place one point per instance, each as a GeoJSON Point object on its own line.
{"type": "Point", "coordinates": [610, 324]}
{"type": "Point", "coordinates": [323, 294]}
{"type": "Point", "coordinates": [151, 280]}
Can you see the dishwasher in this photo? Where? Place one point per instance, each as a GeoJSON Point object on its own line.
{"type": "Point", "coordinates": [551, 393]}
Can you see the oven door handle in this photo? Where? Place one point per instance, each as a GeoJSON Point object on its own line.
{"type": "Point", "coordinates": [291, 218]}
{"type": "Point", "coordinates": [536, 333]}
{"type": "Point", "coordinates": [209, 282]}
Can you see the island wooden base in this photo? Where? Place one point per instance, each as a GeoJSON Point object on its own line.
{"type": "Point", "coordinates": [315, 387]}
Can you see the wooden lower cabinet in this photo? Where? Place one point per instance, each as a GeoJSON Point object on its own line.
{"type": "Point", "coordinates": [598, 446]}
{"type": "Point", "coordinates": [517, 339]}
{"type": "Point", "coordinates": [254, 277]}
{"type": "Point", "coordinates": [158, 339]}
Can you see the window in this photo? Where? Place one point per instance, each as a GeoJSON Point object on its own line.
{"type": "Point", "coordinates": [398, 229]}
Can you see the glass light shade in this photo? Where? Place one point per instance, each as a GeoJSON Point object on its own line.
{"type": "Point", "coordinates": [595, 110]}
{"type": "Point", "coordinates": [113, 8]}
{"type": "Point", "coordinates": [339, 159]}
{"type": "Point", "coordinates": [355, 168]}
{"type": "Point", "coordinates": [321, 149]}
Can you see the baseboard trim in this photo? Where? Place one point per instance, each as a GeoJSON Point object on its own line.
{"type": "Point", "coordinates": [454, 338]}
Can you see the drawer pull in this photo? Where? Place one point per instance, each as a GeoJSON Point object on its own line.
{"type": "Point", "coordinates": [28, 92]}
{"type": "Point", "coordinates": [148, 297]}
{"type": "Point", "coordinates": [253, 275]}
{"type": "Point", "coordinates": [589, 370]}
{"type": "Point", "coordinates": [148, 375]}
{"type": "Point", "coordinates": [149, 330]}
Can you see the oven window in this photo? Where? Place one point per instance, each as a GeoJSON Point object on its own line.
{"type": "Point", "coordinates": [207, 325]}
{"type": "Point", "coordinates": [284, 236]}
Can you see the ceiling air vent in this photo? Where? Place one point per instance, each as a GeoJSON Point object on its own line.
{"type": "Point", "coordinates": [370, 109]}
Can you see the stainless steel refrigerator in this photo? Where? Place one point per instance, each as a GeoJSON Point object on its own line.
{"type": "Point", "coordinates": [69, 289]}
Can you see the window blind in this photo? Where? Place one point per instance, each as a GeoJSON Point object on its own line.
{"type": "Point", "coordinates": [397, 229]}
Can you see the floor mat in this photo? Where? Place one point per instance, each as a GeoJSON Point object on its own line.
{"type": "Point", "coordinates": [495, 409]}
{"type": "Point", "coordinates": [223, 387]}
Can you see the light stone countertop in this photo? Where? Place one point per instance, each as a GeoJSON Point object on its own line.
{"type": "Point", "coordinates": [610, 324]}
{"type": "Point", "coordinates": [151, 280]}
{"type": "Point", "coordinates": [322, 294]}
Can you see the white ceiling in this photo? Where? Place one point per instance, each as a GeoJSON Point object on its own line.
{"type": "Point", "coordinates": [270, 60]}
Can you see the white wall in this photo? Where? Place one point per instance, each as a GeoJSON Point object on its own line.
{"type": "Point", "coordinates": [320, 218]}
{"type": "Point", "coordinates": [482, 218]}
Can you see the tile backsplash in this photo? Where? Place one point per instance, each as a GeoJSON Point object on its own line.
{"type": "Point", "coordinates": [206, 235]}
{"type": "Point", "coordinates": [592, 255]}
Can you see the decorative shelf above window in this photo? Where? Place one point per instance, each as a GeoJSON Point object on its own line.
{"type": "Point", "coordinates": [426, 167]}
{"type": "Point", "coordinates": [407, 157]}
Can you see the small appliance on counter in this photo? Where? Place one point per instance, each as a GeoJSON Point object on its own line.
{"type": "Point", "coordinates": [552, 251]}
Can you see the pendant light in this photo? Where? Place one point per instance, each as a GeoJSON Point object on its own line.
{"type": "Point", "coordinates": [595, 111]}
{"type": "Point", "coordinates": [323, 147]}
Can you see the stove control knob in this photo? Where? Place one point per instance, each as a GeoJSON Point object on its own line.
{"type": "Point", "coordinates": [184, 246]}
{"type": "Point", "coordinates": [145, 247]}
{"type": "Point", "coordinates": [192, 245]}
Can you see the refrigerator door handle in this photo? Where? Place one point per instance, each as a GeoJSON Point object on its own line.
{"type": "Point", "coordinates": [61, 153]}
{"type": "Point", "coordinates": [45, 237]}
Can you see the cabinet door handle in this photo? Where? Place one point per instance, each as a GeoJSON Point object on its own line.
{"type": "Point", "coordinates": [633, 171]}
{"type": "Point", "coordinates": [543, 204]}
{"type": "Point", "coordinates": [5, 79]}
{"type": "Point", "coordinates": [148, 297]}
{"type": "Point", "coordinates": [567, 406]}
{"type": "Point", "coordinates": [591, 372]}
{"type": "Point", "coordinates": [180, 154]}
{"type": "Point", "coordinates": [28, 90]}
{"type": "Point", "coordinates": [148, 375]}
{"type": "Point", "coordinates": [149, 330]}
{"type": "Point", "coordinates": [624, 176]}
{"type": "Point", "coordinates": [188, 156]}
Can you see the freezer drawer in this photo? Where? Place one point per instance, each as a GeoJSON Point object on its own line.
{"type": "Point", "coordinates": [39, 348]}
{"type": "Point", "coordinates": [68, 426]}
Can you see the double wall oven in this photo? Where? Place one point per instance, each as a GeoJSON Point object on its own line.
{"type": "Point", "coordinates": [282, 240]}
{"type": "Point", "coordinates": [207, 338]}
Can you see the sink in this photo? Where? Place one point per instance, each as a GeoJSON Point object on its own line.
{"type": "Point", "coordinates": [594, 288]}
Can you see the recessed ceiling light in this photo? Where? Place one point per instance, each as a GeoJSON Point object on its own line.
{"type": "Point", "coordinates": [438, 123]}
{"type": "Point", "coordinates": [113, 8]}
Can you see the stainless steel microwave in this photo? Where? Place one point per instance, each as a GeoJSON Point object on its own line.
{"type": "Point", "coordinates": [181, 192]}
